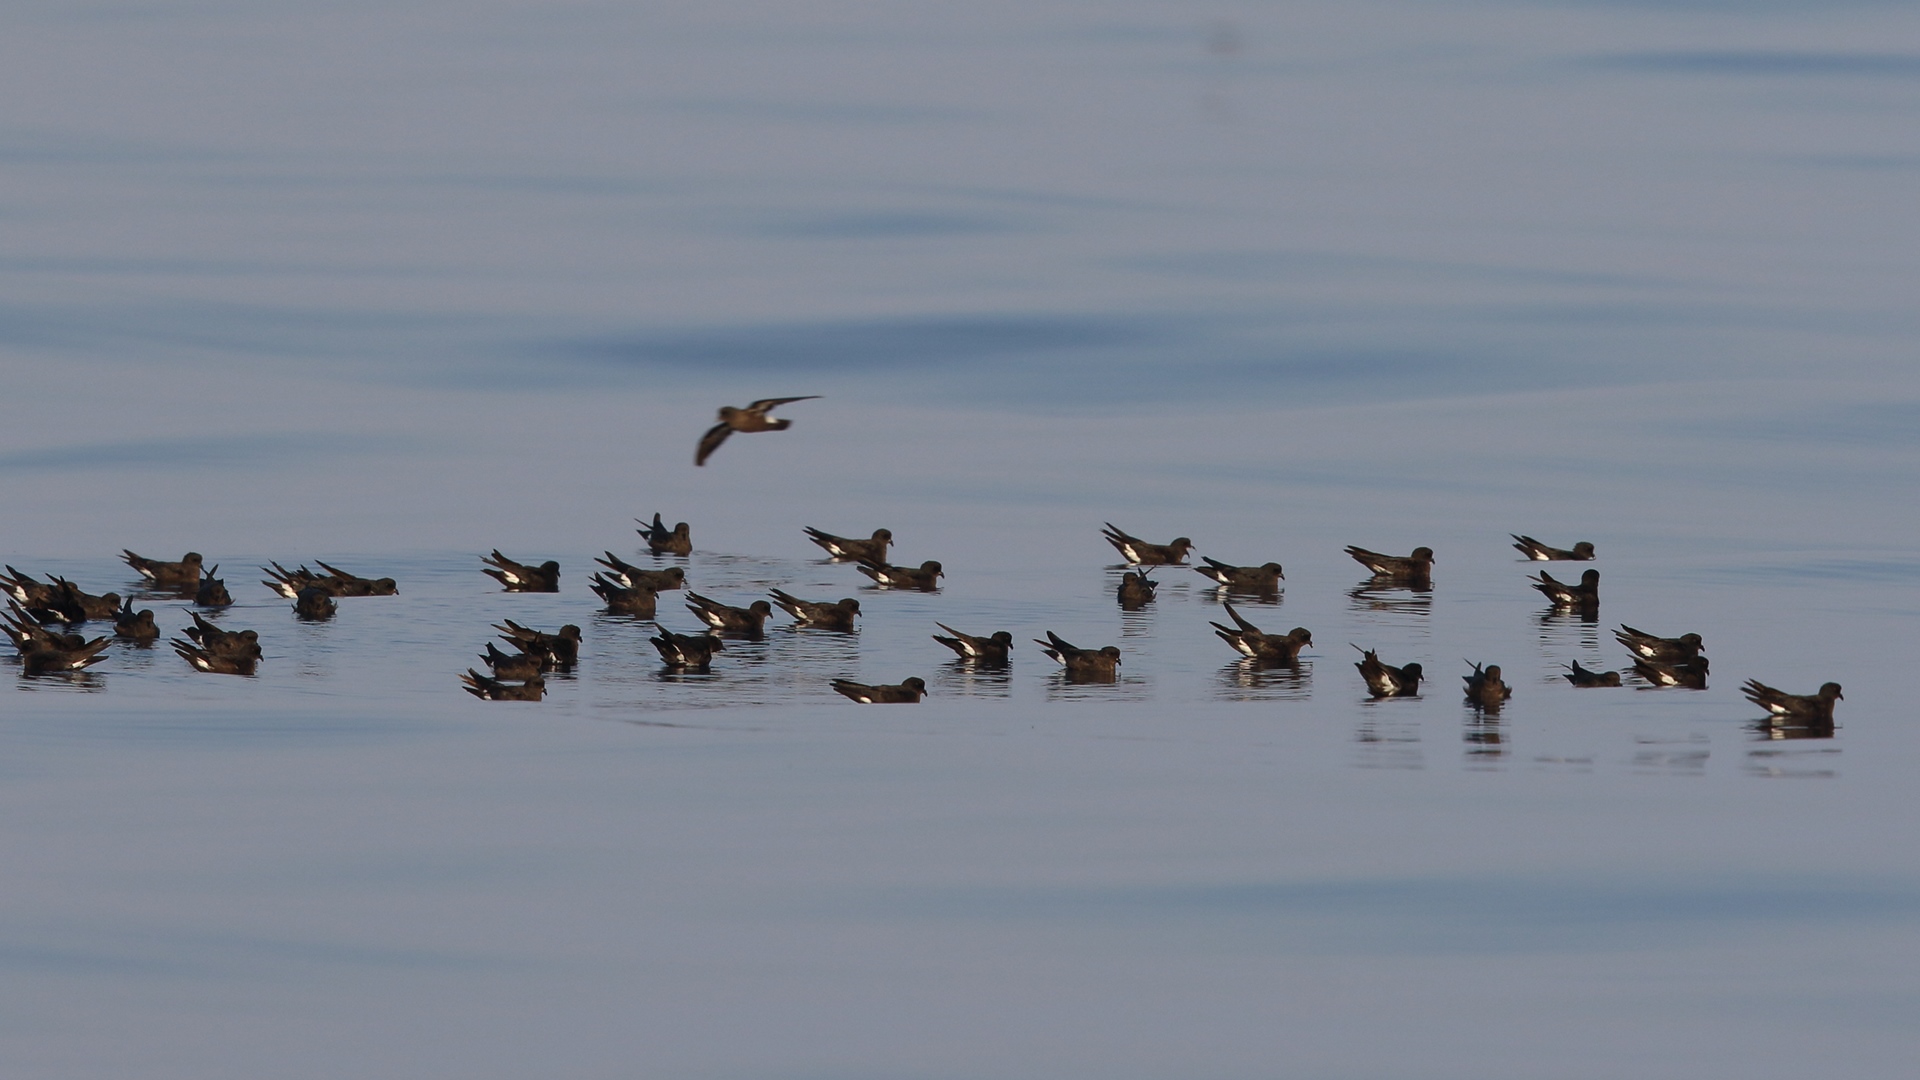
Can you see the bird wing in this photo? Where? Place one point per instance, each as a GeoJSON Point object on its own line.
{"type": "Point", "coordinates": [1242, 623]}
{"type": "Point", "coordinates": [774, 402]}
{"type": "Point", "coordinates": [711, 441]}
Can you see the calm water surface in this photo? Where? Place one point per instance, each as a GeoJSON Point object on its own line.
{"type": "Point", "coordinates": [393, 285]}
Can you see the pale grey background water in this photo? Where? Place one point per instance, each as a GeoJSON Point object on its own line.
{"type": "Point", "coordinates": [393, 284]}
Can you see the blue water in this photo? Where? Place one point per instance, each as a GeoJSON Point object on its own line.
{"type": "Point", "coordinates": [393, 285]}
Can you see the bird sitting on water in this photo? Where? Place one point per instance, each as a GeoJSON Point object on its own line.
{"type": "Point", "coordinates": [1812, 710]}
{"type": "Point", "coordinates": [237, 644]}
{"type": "Point", "coordinates": [1484, 688]}
{"type": "Point", "coordinates": [872, 550]}
{"type": "Point", "coordinates": [340, 583]}
{"type": "Point", "coordinates": [68, 603]}
{"type": "Point", "coordinates": [1539, 552]}
{"type": "Point", "coordinates": [1138, 552]}
{"type": "Point", "coordinates": [983, 650]}
{"type": "Point", "coordinates": [1265, 578]}
{"type": "Point", "coordinates": [1136, 590]}
{"type": "Point", "coordinates": [50, 659]}
{"type": "Point", "coordinates": [906, 692]}
{"type": "Point", "coordinates": [752, 418]}
{"type": "Point", "coordinates": [924, 577]}
{"type": "Point", "coordinates": [1582, 597]}
{"type": "Point", "coordinates": [519, 577]}
{"type": "Point", "coordinates": [24, 588]}
{"type": "Point", "coordinates": [1082, 665]}
{"type": "Point", "coordinates": [335, 581]}
{"type": "Point", "coordinates": [314, 603]}
{"type": "Point", "coordinates": [1580, 676]}
{"type": "Point", "coordinates": [480, 686]}
{"type": "Point", "coordinates": [749, 621]}
{"type": "Point", "coordinates": [687, 650]}
{"type": "Point", "coordinates": [521, 665]}
{"type": "Point", "coordinates": [1687, 674]}
{"type": "Point", "coordinates": [28, 635]}
{"type": "Point", "coordinates": [1268, 649]}
{"type": "Point", "coordinates": [664, 541]}
{"type": "Point", "coordinates": [44, 652]}
{"type": "Point", "coordinates": [1385, 680]}
{"type": "Point", "coordinates": [563, 646]}
{"type": "Point", "coordinates": [640, 601]}
{"type": "Point", "coordinates": [212, 592]}
{"type": "Point", "coordinates": [204, 659]}
{"type": "Point", "coordinates": [838, 615]}
{"type": "Point", "coordinates": [631, 576]}
{"type": "Point", "coordinates": [1680, 650]}
{"type": "Point", "coordinates": [135, 625]}
{"type": "Point", "coordinates": [1413, 569]}
{"type": "Point", "coordinates": [184, 574]}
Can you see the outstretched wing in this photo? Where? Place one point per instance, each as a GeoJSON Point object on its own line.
{"type": "Point", "coordinates": [765, 404]}
{"type": "Point", "coordinates": [711, 441]}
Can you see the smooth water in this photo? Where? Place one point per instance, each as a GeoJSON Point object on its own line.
{"type": "Point", "coordinates": [394, 285]}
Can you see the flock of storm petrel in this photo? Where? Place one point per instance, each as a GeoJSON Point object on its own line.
{"type": "Point", "coordinates": [630, 590]}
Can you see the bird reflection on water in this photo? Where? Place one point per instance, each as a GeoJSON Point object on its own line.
{"type": "Point", "coordinates": [967, 678]}
{"type": "Point", "coordinates": [1372, 597]}
{"type": "Point", "coordinates": [1249, 680]}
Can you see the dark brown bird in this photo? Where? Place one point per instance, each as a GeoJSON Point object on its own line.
{"type": "Point", "coordinates": [204, 660]}
{"type": "Point", "coordinates": [1263, 648]}
{"type": "Point", "coordinates": [1582, 597]}
{"type": "Point", "coordinates": [1250, 579]}
{"type": "Point", "coordinates": [184, 574]}
{"type": "Point", "coordinates": [288, 583]}
{"type": "Point", "coordinates": [135, 625]}
{"type": "Point", "coordinates": [1484, 688]}
{"type": "Point", "coordinates": [749, 621]}
{"type": "Point", "coordinates": [838, 615]}
{"type": "Point", "coordinates": [664, 541]}
{"type": "Point", "coordinates": [29, 636]}
{"type": "Point", "coordinates": [341, 583]}
{"type": "Point", "coordinates": [44, 659]}
{"type": "Point", "coordinates": [487, 689]}
{"type": "Point", "coordinates": [752, 418]}
{"type": "Point", "coordinates": [687, 650]}
{"type": "Point", "coordinates": [925, 577]}
{"type": "Point", "coordinates": [563, 646]}
{"type": "Point", "coordinates": [640, 601]}
{"type": "Point", "coordinates": [212, 592]}
{"type": "Point", "coordinates": [521, 666]}
{"type": "Point", "coordinates": [1687, 674]}
{"type": "Point", "coordinates": [1539, 552]}
{"type": "Point", "coordinates": [314, 603]}
{"type": "Point", "coordinates": [1082, 665]}
{"type": "Point", "coordinates": [673, 577]}
{"type": "Point", "coordinates": [238, 644]}
{"type": "Point", "coordinates": [993, 650]}
{"type": "Point", "coordinates": [68, 603]}
{"type": "Point", "coordinates": [1136, 590]}
{"type": "Point", "coordinates": [1385, 680]}
{"type": "Point", "coordinates": [335, 581]}
{"type": "Point", "coordinates": [519, 577]}
{"type": "Point", "coordinates": [25, 589]}
{"type": "Point", "coordinates": [906, 692]}
{"type": "Point", "coordinates": [1811, 710]}
{"type": "Point", "coordinates": [1681, 650]}
{"type": "Point", "coordinates": [1138, 552]}
{"type": "Point", "coordinates": [1414, 569]}
{"type": "Point", "coordinates": [872, 550]}
{"type": "Point", "coordinates": [1580, 676]}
